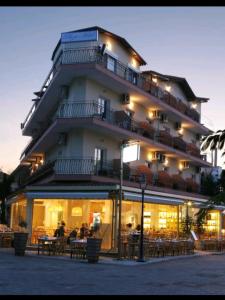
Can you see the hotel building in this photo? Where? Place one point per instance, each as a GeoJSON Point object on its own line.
{"type": "Point", "coordinates": [94, 100]}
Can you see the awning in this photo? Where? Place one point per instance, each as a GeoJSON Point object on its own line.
{"type": "Point", "coordinates": [67, 195]}
{"type": "Point", "coordinates": [152, 199]}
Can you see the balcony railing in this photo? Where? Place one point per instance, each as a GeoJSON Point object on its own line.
{"type": "Point", "coordinates": [122, 120]}
{"type": "Point", "coordinates": [111, 169]}
{"type": "Point", "coordinates": [93, 55]}
{"type": "Point", "coordinates": [79, 110]}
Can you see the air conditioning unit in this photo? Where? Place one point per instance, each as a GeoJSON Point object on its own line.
{"type": "Point", "coordinates": [157, 114]}
{"type": "Point", "coordinates": [159, 157]}
{"type": "Point", "coordinates": [64, 92]}
{"type": "Point", "coordinates": [177, 125]}
{"type": "Point", "coordinates": [164, 118]}
{"type": "Point", "coordinates": [62, 139]}
{"type": "Point", "coordinates": [125, 99]}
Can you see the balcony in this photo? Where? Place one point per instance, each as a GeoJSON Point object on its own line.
{"type": "Point", "coordinates": [91, 114]}
{"type": "Point", "coordinates": [193, 150]}
{"type": "Point", "coordinates": [87, 169]}
{"type": "Point", "coordinates": [87, 56]}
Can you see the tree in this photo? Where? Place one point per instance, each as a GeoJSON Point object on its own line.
{"type": "Point", "coordinates": [5, 189]}
{"type": "Point", "coordinates": [209, 187]}
{"type": "Point", "coordinates": [214, 141]}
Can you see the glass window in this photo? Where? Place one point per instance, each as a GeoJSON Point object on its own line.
{"type": "Point", "coordinates": [47, 213]}
{"type": "Point", "coordinates": [101, 106]}
{"type": "Point", "coordinates": [111, 63]}
{"type": "Point", "coordinates": [159, 220]}
{"type": "Point", "coordinates": [18, 213]}
{"type": "Point", "coordinates": [132, 76]}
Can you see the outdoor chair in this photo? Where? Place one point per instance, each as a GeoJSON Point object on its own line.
{"type": "Point", "coordinates": [60, 246]}
{"type": "Point", "coordinates": [78, 250]}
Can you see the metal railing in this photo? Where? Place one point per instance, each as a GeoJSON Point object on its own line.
{"type": "Point", "coordinates": [120, 119]}
{"type": "Point", "coordinates": [80, 166]}
{"type": "Point", "coordinates": [89, 166]}
{"type": "Point", "coordinates": [92, 109]}
{"type": "Point", "coordinates": [93, 55]}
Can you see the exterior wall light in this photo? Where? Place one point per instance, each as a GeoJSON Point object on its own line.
{"type": "Point", "coordinates": [166, 162]}
{"type": "Point", "coordinates": [154, 79]}
{"type": "Point", "coordinates": [168, 88]}
{"type": "Point", "coordinates": [134, 62]}
{"type": "Point", "coordinates": [150, 115]}
{"type": "Point", "coordinates": [189, 203]}
{"type": "Point", "coordinates": [194, 105]}
{"type": "Point", "coordinates": [181, 130]}
{"type": "Point", "coordinates": [131, 105]}
{"type": "Point", "coordinates": [181, 167]}
{"type": "Point", "coordinates": [109, 46]}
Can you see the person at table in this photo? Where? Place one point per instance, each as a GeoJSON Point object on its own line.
{"type": "Point", "coordinates": [83, 231]}
{"type": "Point", "coordinates": [129, 228]}
{"type": "Point", "coordinates": [60, 232]}
{"type": "Point", "coordinates": [91, 232]}
{"type": "Point", "coordinates": [72, 235]}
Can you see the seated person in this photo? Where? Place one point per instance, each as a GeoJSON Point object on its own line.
{"type": "Point", "coordinates": [83, 231]}
{"type": "Point", "coordinates": [72, 235]}
{"type": "Point", "coordinates": [91, 232]}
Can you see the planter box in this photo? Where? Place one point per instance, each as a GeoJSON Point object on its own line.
{"type": "Point", "coordinates": [20, 242]}
{"type": "Point", "coordinates": [93, 249]}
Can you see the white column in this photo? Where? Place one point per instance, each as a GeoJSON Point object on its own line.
{"type": "Point", "coordinates": [29, 216]}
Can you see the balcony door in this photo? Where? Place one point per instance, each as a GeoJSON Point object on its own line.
{"type": "Point", "coordinates": [111, 63]}
{"type": "Point", "coordinates": [103, 108]}
{"type": "Point", "coordinates": [99, 160]}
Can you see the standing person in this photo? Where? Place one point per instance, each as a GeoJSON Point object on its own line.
{"type": "Point", "coordinates": [129, 228]}
{"type": "Point", "coordinates": [61, 231]}
{"type": "Point", "coordinates": [82, 231]}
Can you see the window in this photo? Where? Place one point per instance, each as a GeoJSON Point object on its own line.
{"type": "Point", "coordinates": [99, 159]}
{"type": "Point", "coordinates": [111, 63]}
{"type": "Point", "coordinates": [98, 154]}
{"type": "Point", "coordinates": [129, 113]}
{"type": "Point", "coordinates": [132, 76]}
{"type": "Point", "coordinates": [101, 106]}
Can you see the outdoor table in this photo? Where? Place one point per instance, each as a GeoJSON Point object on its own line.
{"type": "Point", "coordinates": [48, 241]}
{"type": "Point", "coordinates": [78, 247]}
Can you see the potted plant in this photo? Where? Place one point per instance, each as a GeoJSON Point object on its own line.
{"type": "Point", "coordinates": [93, 246]}
{"type": "Point", "coordinates": [20, 239]}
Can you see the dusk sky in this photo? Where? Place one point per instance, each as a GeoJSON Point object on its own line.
{"type": "Point", "coordinates": [181, 41]}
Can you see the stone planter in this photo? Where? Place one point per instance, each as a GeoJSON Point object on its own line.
{"type": "Point", "coordinates": [93, 249]}
{"type": "Point", "coordinates": [20, 242]}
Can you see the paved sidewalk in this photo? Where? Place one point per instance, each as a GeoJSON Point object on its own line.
{"type": "Point", "coordinates": [199, 274]}
{"type": "Point", "coordinates": [113, 261]}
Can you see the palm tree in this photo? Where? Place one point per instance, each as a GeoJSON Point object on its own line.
{"type": "Point", "coordinates": [214, 141]}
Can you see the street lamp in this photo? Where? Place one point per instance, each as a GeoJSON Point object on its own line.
{"type": "Point", "coordinates": [143, 185]}
{"type": "Point", "coordinates": [125, 158]}
{"type": "Point", "coordinates": [122, 145]}
{"type": "Point", "coordinates": [188, 204]}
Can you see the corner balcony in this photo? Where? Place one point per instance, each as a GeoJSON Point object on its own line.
{"type": "Point", "coordinates": [89, 170]}
{"type": "Point", "coordinates": [118, 125]}
{"type": "Point", "coordinates": [88, 62]}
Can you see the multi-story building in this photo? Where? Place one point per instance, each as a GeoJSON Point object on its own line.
{"type": "Point", "coordinates": [95, 99]}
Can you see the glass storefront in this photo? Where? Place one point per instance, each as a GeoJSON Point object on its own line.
{"type": "Point", "coordinates": [159, 220]}
{"type": "Point", "coordinates": [212, 225]}
{"type": "Point", "coordinates": [47, 213]}
{"type": "Point", "coordinates": [18, 213]}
